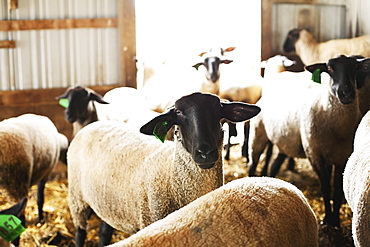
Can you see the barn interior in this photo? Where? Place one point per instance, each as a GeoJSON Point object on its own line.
{"type": "Point", "coordinates": [47, 46]}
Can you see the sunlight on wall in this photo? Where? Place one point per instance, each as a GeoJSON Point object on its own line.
{"type": "Point", "coordinates": [171, 29]}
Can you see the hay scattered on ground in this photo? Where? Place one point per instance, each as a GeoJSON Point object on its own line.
{"type": "Point", "coordinates": [58, 229]}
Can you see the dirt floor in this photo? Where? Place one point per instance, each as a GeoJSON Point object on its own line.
{"type": "Point", "coordinates": [58, 229]}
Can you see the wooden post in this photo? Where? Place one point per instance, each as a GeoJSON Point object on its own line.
{"type": "Point", "coordinates": [127, 42]}
{"type": "Point", "coordinates": [13, 4]}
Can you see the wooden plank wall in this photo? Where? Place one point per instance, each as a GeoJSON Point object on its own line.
{"type": "Point", "coordinates": [42, 101]}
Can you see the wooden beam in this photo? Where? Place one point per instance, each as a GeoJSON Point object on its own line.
{"type": "Point", "coordinates": [127, 42]}
{"type": "Point", "coordinates": [19, 25]}
{"type": "Point", "coordinates": [7, 44]}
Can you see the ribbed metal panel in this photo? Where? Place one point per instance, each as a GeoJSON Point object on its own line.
{"type": "Point", "coordinates": [63, 57]}
{"type": "Point", "coordinates": [324, 21]}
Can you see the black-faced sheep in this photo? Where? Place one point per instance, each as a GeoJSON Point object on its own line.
{"type": "Point", "coordinates": [318, 123]}
{"type": "Point", "coordinates": [356, 183]}
{"type": "Point", "coordinates": [131, 180]}
{"type": "Point", "coordinates": [81, 109]}
{"type": "Point", "coordinates": [87, 106]}
{"type": "Point", "coordinates": [310, 51]}
{"type": "Point", "coordinates": [30, 147]}
{"type": "Point", "coordinates": [245, 212]}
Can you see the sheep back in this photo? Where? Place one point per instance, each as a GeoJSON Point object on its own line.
{"type": "Point", "coordinates": [30, 147]}
{"type": "Point", "coordinates": [245, 212]}
{"type": "Point", "coordinates": [126, 185]}
{"type": "Point", "coordinates": [356, 183]}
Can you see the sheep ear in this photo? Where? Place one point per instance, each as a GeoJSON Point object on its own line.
{"type": "Point", "coordinates": [97, 97]}
{"type": "Point", "coordinates": [201, 54]}
{"type": "Point", "coordinates": [160, 125]}
{"type": "Point", "coordinates": [196, 66]}
{"type": "Point", "coordinates": [226, 61]}
{"type": "Point", "coordinates": [316, 70]}
{"type": "Point", "coordinates": [63, 96]}
{"type": "Point", "coordinates": [313, 67]}
{"type": "Point", "coordinates": [364, 65]}
{"type": "Point", "coordinates": [238, 112]}
{"type": "Point", "coordinates": [229, 49]}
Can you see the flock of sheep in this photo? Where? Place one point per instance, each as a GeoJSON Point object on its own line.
{"type": "Point", "coordinates": [171, 192]}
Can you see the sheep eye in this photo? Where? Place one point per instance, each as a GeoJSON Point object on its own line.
{"type": "Point", "coordinates": [330, 68]}
{"type": "Point", "coordinates": [178, 112]}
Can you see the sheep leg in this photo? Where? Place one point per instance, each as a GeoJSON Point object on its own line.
{"type": "Point", "coordinates": [80, 237]}
{"type": "Point", "coordinates": [232, 132]}
{"type": "Point", "coordinates": [255, 155]}
{"type": "Point", "coordinates": [105, 234]}
{"type": "Point", "coordinates": [267, 159]}
{"type": "Point", "coordinates": [275, 167]}
{"type": "Point", "coordinates": [324, 173]}
{"type": "Point", "coordinates": [338, 193]}
{"type": "Point", "coordinates": [246, 140]}
{"type": "Point", "coordinates": [81, 233]}
{"type": "Point", "coordinates": [41, 198]}
{"type": "Point", "coordinates": [291, 165]}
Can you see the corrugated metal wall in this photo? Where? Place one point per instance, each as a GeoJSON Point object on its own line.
{"type": "Point", "coordinates": [324, 21]}
{"type": "Point", "coordinates": [62, 57]}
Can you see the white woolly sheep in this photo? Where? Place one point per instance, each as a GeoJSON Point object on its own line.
{"type": "Point", "coordinates": [310, 51]}
{"type": "Point", "coordinates": [249, 90]}
{"type": "Point", "coordinates": [87, 106]}
{"type": "Point", "coordinates": [16, 210]}
{"type": "Point", "coordinates": [178, 78]}
{"type": "Point", "coordinates": [30, 147]}
{"type": "Point", "coordinates": [318, 123]}
{"type": "Point", "coordinates": [356, 183]}
{"type": "Point", "coordinates": [245, 212]}
{"type": "Point", "coordinates": [131, 180]}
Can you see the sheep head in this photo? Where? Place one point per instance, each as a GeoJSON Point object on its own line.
{"type": "Point", "coordinates": [343, 71]}
{"type": "Point", "coordinates": [78, 107]}
{"type": "Point", "coordinates": [198, 117]}
{"type": "Point", "coordinates": [212, 62]}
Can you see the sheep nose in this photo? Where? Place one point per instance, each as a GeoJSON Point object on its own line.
{"type": "Point", "coordinates": [206, 155]}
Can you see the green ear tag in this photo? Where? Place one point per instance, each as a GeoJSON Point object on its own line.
{"type": "Point", "coordinates": [316, 76]}
{"type": "Point", "coordinates": [160, 131]}
{"type": "Point", "coordinates": [10, 227]}
{"type": "Point", "coordinates": [64, 103]}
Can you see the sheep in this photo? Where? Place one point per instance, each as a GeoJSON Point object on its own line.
{"type": "Point", "coordinates": [233, 89]}
{"type": "Point", "coordinates": [16, 210]}
{"type": "Point", "coordinates": [245, 212]}
{"type": "Point", "coordinates": [81, 109]}
{"type": "Point", "coordinates": [30, 147]}
{"type": "Point", "coordinates": [178, 78]}
{"type": "Point", "coordinates": [310, 51]}
{"type": "Point", "coordinates": [356, 183]}
{"type": "Point", "coordinates": [131, 180]}
{"type": "Point", "coordinates": [87, 106]}
{"type": "Point", "coordinates": [276, 64]}
{"type": "Point", "coordinates": [317, 123]}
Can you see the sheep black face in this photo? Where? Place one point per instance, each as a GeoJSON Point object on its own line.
{"type": "Point", "coordinates": [198, 119]}
{"type": "Point", "coordinates": [79, 98]}
{"type": "Point", "coordinates": [291, 39]}
{"type": "Point", "coordinates": [343, 71]}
